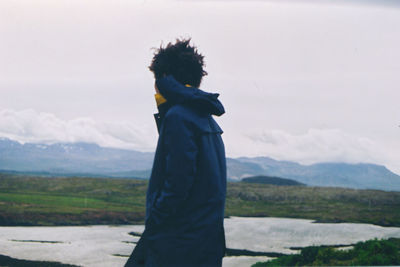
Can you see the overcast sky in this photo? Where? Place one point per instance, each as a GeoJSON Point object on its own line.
{"type": "Point", "coordinates": [307, 81]}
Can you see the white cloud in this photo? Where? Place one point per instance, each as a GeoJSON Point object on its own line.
{"type": "Point", "coordinates": [315, 145]}
{"type": "Point", "coordinates": [39, 127]}
{"type": "Point", "coordinates": [319, 145]}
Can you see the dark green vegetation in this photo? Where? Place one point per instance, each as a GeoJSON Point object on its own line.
{"type": "Point", "coordinates": [323, 204]}
{"type": "Point", "coordinates": [8, 261]}
{"type": "Point", "coordinates": [29, 200]}
{"type": "Point", "coordinates": [370, 253]}
{"type": "Point", "coordinates": [262, 179]}
{"type": "Point", "coordinates": [245, 252]}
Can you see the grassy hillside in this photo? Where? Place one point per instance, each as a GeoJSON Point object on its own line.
{"type": "Point", "coordinates": [27, 200]}
{"type": "Point", "coordinates": [324, 204]}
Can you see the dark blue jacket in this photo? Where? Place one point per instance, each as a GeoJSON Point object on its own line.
{"type": "Point", "coordinates": [186, 195]}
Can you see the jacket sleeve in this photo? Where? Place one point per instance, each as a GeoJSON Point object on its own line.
{"type": "Point", "coordinates": [181, 160]}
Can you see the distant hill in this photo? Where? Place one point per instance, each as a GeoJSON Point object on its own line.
{"type": "Point", "coordinates": [360, 176]}
{"type": "Point", "coordinates": [262, 179]}
{"type": "Point", "coordinates": [75, 158]}
{"type": "Point", "coordinates": [86, 159]}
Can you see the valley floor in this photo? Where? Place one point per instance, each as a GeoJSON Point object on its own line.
{"type": "Point", "coordinates": [48, 201]}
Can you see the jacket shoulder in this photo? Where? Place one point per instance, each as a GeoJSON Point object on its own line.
{"type": "Point", "coordinates": [203, 123]}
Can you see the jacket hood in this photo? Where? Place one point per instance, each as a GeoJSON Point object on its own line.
{"type": "Point", "coordinates": [176, 93]}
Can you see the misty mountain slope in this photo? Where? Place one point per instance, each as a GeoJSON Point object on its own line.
{"type": "Point", "coordinates": [237, 169]}
{"type": "Point", "coordinates": [91, 159]}
{"type": "Point", "coordinates": [71, 157]}
{"type": "Point", "coordinates": [361, 175]}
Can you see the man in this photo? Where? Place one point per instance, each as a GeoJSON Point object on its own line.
{"type": "Point", "coordinates": [186, 194]}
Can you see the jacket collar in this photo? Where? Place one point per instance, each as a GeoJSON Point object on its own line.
{"type": "Point", "coordinates": [176, 93]}
{"type": "Point", "coordinates": [162, 109]}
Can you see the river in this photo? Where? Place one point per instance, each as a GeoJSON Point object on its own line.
{"type": "Point", "coordinates": [108, 246]}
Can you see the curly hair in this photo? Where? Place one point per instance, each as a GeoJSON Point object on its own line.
{"type": "Point", "coordinates": [180, 60]}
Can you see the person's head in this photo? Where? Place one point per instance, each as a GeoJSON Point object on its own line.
{"type": "Point", "coordinates": [180, 60]}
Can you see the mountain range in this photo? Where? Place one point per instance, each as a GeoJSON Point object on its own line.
{"type": "Point", "coordinates": [87, 159]}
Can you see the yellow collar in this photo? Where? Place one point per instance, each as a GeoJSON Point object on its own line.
{"type": "Point", "coordinates": [159, 99]}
